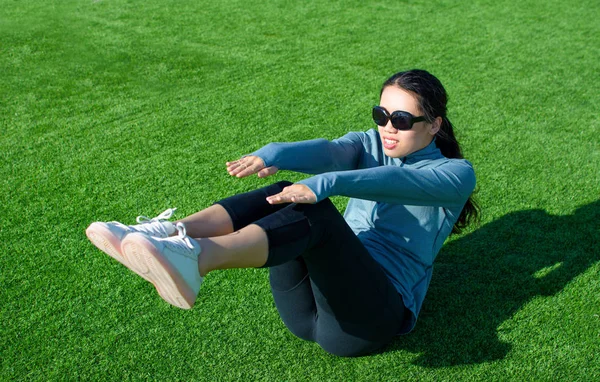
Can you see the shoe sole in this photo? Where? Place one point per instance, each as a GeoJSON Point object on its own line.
{"type": "Point", "coordinates": [107, 242]}
{"type": "Point", "coordinates": [147, 261]}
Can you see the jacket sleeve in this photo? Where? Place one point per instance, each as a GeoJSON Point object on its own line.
{"type": "Point", "coordinates": [447, 185]}
{"type": "Point", "coordinates": [314, 156]}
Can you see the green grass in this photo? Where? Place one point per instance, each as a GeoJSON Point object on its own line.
{"type": "Point", "coordinates": [114, 108]}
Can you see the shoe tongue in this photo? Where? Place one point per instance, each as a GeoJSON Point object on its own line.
{"type": "Point", "coordinates": [169, 228]}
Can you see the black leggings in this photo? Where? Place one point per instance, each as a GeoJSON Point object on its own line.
{"type": "Point", "coordinates": [326, 286]}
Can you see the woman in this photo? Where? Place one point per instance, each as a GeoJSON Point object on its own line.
{"type": "Point", "coordinates": [348, 283]}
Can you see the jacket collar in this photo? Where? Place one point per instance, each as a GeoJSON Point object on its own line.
{"type": "Point", "coordinates": [430, 151]}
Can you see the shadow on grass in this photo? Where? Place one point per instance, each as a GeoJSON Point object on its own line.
{"type": "Point", "coordinates": [482, 279]}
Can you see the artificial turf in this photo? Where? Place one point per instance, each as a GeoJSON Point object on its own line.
{"type": "Point", "coordinates": [114, 108]}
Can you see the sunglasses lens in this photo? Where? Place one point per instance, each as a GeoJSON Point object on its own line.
{"type": "Point", "coordinates": [379, 116]}
{"type": "Point", "coordinates": [401, 121]}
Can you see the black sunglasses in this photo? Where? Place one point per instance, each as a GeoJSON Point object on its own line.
{"type": "Point", "coordinates": [401, 120]}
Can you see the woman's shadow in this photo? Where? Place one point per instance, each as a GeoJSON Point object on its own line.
{"type": "Point", "coordinates": [482, 279]}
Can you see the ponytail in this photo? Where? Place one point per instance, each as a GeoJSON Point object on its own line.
{"type": "Point", "coordinates": [448, 145]}
{"type": "Point", "coordinates": [446, 142]}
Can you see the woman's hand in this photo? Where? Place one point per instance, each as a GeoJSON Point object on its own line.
{"type": "Point", "coordinates": [250, 165]}
{"type": "Point", "coordinates": [296, 193]}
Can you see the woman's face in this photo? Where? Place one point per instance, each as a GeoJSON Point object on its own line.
{"type": "Point", "coordinates": [400, 143]}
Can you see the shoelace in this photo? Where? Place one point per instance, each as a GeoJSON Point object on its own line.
{"type": "Point", "coordinates": [165, 215]}
{"type": "Point", "coordinates": [182, 236]}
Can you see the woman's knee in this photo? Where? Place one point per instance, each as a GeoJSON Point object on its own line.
{"type": "Point", "coordinates": [325, 210]}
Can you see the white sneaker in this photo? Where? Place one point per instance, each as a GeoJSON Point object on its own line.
{"type": "Point", "coordinates": [108, 236]}
{"type": "Point", "coordinates": [171, 264]}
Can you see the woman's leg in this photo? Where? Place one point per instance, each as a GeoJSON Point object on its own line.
{"type": "Point", "coordinates": [294, 298]}
{"type": "Point", "coordinates": [211, 221]}
{"type": "Point", "coordinates": [326, 286]}
{"type": "Point", "coordinates": [247, 246]}
{"type": "Point", "coordinates": [233, 213]}
{"type": "Point", "coordinates": [333, 292]}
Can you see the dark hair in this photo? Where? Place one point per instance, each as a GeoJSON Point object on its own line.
{"type": "Point", "coordinates": [432, 100]}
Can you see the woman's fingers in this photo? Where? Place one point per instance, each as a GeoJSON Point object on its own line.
{"type": "Point", "coordinates": [296, 193]}
{"type": "Point", "coordinates": [267, 171]}
{"type": "Point", "coordinates": [288, 198]}
{"type": "Point", "coordinates": [245, 166]}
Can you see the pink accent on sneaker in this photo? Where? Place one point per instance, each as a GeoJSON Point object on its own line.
{"type": "Point", "coordinates": [108, 240]}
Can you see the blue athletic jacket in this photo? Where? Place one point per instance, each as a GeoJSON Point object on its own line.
{"type": "Point", "coordinates": [401, 209]}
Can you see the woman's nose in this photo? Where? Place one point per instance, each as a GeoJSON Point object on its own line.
{"type": "Point", "coordinates": [389, 128]}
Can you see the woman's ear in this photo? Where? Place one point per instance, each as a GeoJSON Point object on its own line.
{"type": "Point", "coordinates": [435, 126]}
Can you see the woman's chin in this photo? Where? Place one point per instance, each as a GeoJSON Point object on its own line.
{"type": "Point", "coordinates": [394, 153]}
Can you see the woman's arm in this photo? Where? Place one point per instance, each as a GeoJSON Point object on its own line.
{"type": "Point", "coordinates": [314, 156]}
{"type": "Point", "coordinates": [447, 185]}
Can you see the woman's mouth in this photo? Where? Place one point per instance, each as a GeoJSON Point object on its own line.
{"type": "Point", "coordinates": [389, 143]}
